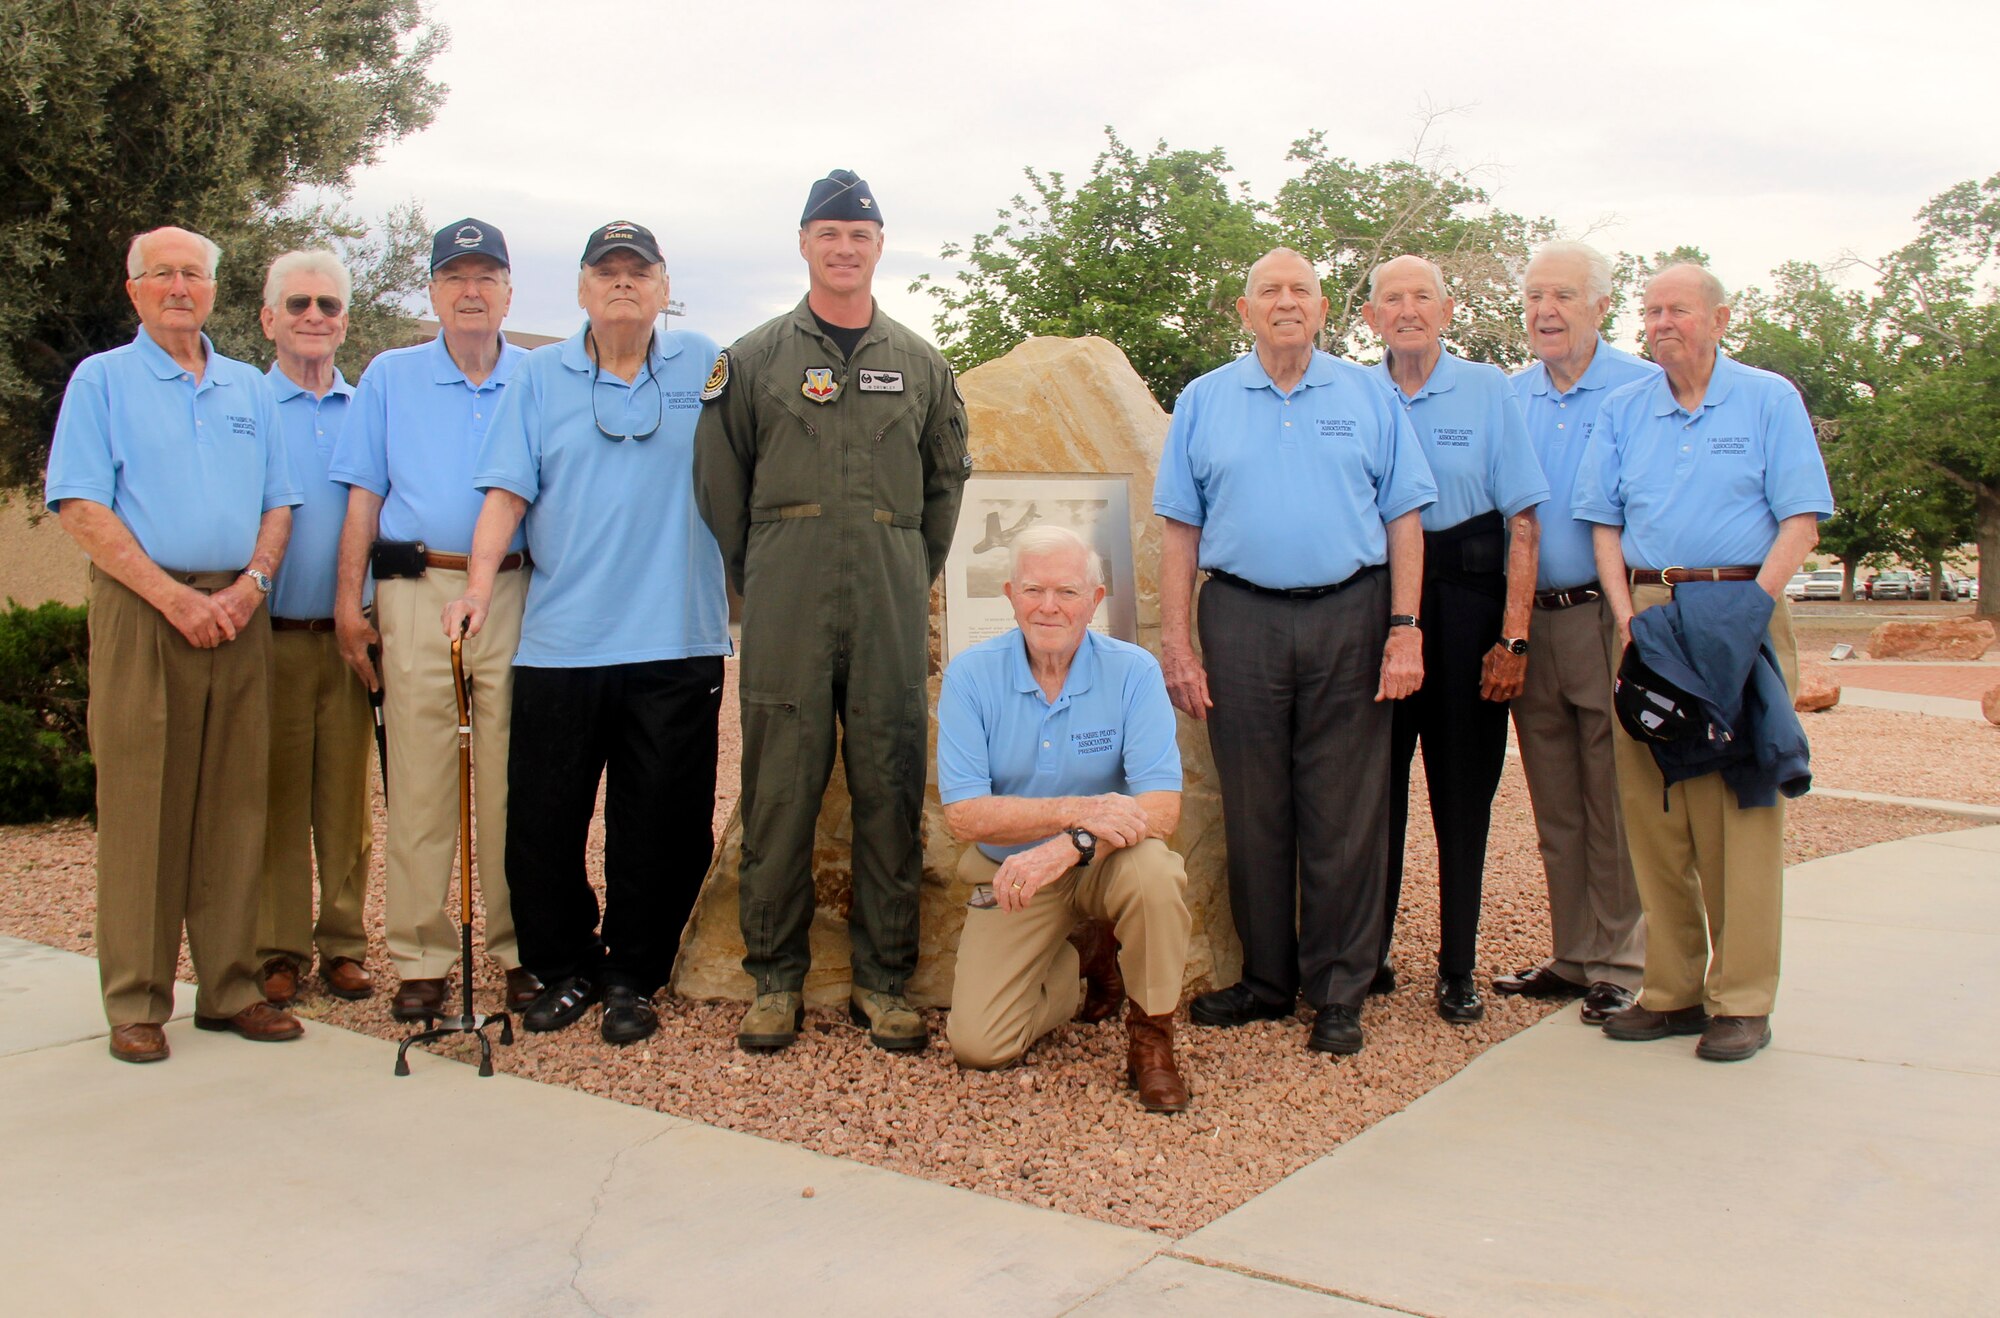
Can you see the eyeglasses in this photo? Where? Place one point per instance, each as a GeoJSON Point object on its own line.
{"type": "Point", "coordinates": [590, 345]}
{"type": "Point", "coordinates": [298, 304]}
{"type": "Point", "coordinates": [166, 275]}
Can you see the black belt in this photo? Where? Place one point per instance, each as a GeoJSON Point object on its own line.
{"type": "Point", "coordinates": [1294, 592]}
{"type": "Point", "coordinates": [1568, 599]}
{"type": "Point", "coordinates": [301, 624]}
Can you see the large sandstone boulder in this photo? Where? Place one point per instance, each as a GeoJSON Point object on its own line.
{"type": "Point", "coordinates": [1050, 405]}
{"type": "Point", "coordinates": [1946, 638]}
{"type": "Point", "coordinates": [1817, 690]}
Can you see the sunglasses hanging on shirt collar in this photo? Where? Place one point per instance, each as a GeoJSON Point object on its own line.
{"type": "Point", "coordinates": [590, 346]}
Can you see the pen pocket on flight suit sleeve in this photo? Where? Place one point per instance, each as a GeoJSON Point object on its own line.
{"type": "Point", "coordinates": [951, 462]}
{"type": "Point", "coordinates": [771, 735]}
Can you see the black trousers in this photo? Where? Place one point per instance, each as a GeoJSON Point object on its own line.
{"type": "Point", "coordinates": [1465, 745]}
{"type": "Point", "coordinates": [653, 727]}
{"type": "Point", "coordinates": [1302, 750]}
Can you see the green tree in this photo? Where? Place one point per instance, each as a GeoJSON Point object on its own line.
{"type": "Point", "coordinates": [1148, 252]}
{"type": "Point", "coordinates": [218, 115]}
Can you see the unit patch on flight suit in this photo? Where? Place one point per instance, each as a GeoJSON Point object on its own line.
{"type": "Point", "coordinates": [718, 378]}
{"type": "Point", "coordinates": [819, 385]}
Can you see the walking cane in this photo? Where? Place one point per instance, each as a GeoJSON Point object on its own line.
{"type": "Point", "coordinates": [465, 1022]}
{"type": "Point", "coordinates": [381, 732]}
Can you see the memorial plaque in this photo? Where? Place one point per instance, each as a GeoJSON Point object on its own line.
{"type": "Point", "coordinates": [1000, 505]}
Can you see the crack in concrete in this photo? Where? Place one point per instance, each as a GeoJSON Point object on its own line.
{"type": "Point", "coordinates": [597, 1208]}
{"type": "Point", "coordinates": [1258, 1274]}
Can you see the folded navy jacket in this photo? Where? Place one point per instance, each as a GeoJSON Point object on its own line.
{"type": "Point", "coordinates": [1711, 640]}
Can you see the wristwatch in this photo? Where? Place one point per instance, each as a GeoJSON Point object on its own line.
{"type": "Point", "coordinates": [1404, 620]}
{"type": "Point", "coordinates": [258, 579]}
{"type": "Point", "coordinates": [1085, 843]}
{"type": "Point", "coordinates": [1514, 644]}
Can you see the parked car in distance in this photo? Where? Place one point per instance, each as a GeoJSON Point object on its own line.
{"type": "Point", "coordinates": [1893, 586]}
{"type": "Point", "coordinates": [1795, 589]}
{"type": "Point", "coordinates": [1822, 585]}
{"type": "Point", "coordinates": [1968, 588]}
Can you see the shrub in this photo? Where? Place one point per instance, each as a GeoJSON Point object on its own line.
{"type": "Point", "coordinates": [45, 766]}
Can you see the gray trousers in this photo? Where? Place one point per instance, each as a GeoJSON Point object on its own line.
{"type": "Point", "coordinates": [1302, 749]}
{"type": "Point", "coordinates": [1565, 722]}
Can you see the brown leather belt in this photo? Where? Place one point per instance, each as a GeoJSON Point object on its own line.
{"type": "Point", "coordinates": [1680, 576]}
{"type": "Point", "coordinates": [1567, 599]}
{"type": "Point", "coordinates": [459, 562]}
{"type": "Point", "coordinates": [301, 624]}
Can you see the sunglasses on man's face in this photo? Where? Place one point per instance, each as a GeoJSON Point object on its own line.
{"type": "Point", "coordinates": [298, 304]}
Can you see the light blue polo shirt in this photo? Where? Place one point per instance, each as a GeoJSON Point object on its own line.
{"type": "Point", "coordinates": [1704, 488]}
{"type": "Point", "coordinates": [1290, 489]}
{"type": "Point", "coordinates": [1111, 729]}
{"type": "Point", "coordinates": [1474, 439]}
{"type": "Point", "coordinates": [1559, 426]}
{"type": "Point", "coordinates": [625, 570]}
{"type": "Point", "coordinates": [413, 436]}
{"type": "Point", "coordinates": [304, 585]}
{"type": "Point", "coordinates": [190, 469]}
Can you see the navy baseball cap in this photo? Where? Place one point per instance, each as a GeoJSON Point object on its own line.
{"type": "Point", "coordinates": [841, 195]}
{"type": "Point", "coordinates": [622, 234]}
{"type": "Point", "coordinates": [468, 238]}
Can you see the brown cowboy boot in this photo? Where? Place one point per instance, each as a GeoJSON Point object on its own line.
{"type": "Point", "coordinates": [1097, 952]}
{"type": "Point", "coordinates": [1149, 1061]}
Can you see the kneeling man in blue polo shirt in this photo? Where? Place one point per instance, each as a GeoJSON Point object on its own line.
{"type": "Point", "coordinates": [620, 665]}
{"type": "Point", "coordinates": [1056, 757]}
{"type": "Point", "coordinates": [1709, 472]}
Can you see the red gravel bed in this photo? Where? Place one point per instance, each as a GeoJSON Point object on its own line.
{"type": "Point", "coordinates": [1061, 1130]}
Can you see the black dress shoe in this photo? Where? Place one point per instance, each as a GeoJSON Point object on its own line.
{"type": "Point", "coordinates": [1235, 1005]}
{"type": "Point", "coordinates": [628, 1015]}
{"type": "Point", "coordinates": [1538, 982]}
{"type": "Point", "coordinates": [1383, 983]}
{"type": "Point", "coordinates": [1458, 999]}
{"type": "Point", "coordinates": [1606, 1000]}
{"type": "Point", "coordinates": [1337, 1031]}
{"type": "Point", "coordinates": [560, 1004]}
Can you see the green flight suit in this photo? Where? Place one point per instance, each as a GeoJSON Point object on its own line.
{"type": "Point", "coordinates": [832, 487]}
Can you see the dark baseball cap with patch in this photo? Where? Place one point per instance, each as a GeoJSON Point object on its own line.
{"type": "Point", "coordinates": [841, 195]}
{"type": "Point", "coordinates": [622, 234]}
{"type": "Point", "coordinates": [468, 237]}
{"type": "Point", "coordinates": [1649, 707]}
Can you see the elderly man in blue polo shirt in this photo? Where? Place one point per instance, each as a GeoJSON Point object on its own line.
{"type": "Point", "coordinates": [1057, 759]}
{"type": "Point", "coordinates": [1563, 715]}
{"type": "Point", "coordinates": [621, 650]}
{"type": "Point", "coordinates": [1709, 472]}
{"type": "Point", "coordinates": [319, 709]}
{"type": "Point", "coordinates": [168, 468]}
{"type": "Point", "coordinates": [1479, 576]}
{"type": "Point", "coordinates": [407, 455]}
{"type": "Point", "coordinates": [1294, 481]}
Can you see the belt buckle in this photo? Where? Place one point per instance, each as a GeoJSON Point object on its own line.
{"type": "Point", "coordinates": [1667, 576]}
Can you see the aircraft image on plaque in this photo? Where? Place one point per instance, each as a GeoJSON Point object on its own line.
{"type": "Point", "coordinates": [998, 506]}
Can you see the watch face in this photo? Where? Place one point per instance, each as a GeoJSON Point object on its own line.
{"type": "Point", "coordinates": [1086, 838]}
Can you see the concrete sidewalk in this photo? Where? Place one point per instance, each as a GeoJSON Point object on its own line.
{"type": "Point", "coordinates": [1853, 1168]}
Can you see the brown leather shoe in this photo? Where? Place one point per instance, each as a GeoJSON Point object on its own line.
{"type": "Point", "coordinates": [281, 981]}
{"type": "Point", "coordinates": [139, 1043]}
{"type": "Point", "coordinates": [1733, 1038]}
{"type": "Point", "coordinates": [259, 1022]}
{"type": "Point", "coordinates": [522, 988]}
{"type": "Point", "coordinates": [1104, 987]}
{"type": "Point", "coordinates": [346, 978]}
{"type": "Point", "coordinates": [417, 999]}
{"type": "Point", "coordinates": [1637, 1024]}
{"type": "Point", "coordinates": [1149, 1061]}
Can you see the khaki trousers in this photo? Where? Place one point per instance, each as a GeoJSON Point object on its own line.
{"type": "Point", "coordinates": [1018, 976]}
{"type": "Point", "coordinates": [181, 737]}
{"type": "Point", "coordinates": [321, 737]}
{"type": "Point", "coordinates": [1565, 722]}
{"type": "Point", "coordinates": [422, 720]}
{"type": "Point", "coordinates": [1710, 873]}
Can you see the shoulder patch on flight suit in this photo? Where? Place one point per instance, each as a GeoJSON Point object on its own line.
{"type": "Point", "coordinates": [718, 378]}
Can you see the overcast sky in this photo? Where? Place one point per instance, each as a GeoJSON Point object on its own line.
{"type": "Point", "coordinates": [1759, 131]}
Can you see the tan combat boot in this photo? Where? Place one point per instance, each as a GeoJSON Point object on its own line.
{"type": "Point", "coordinates": [1149, 1061]}
{"type": "Point", "coordinates": [892, 1023]}
{"type": "Point", "coordinates": [772, 1022]}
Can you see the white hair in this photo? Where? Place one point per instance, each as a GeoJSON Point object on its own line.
{"type": "Point", "coordinates": [1711, 287]}
{"type": "Point", "coordinates": [135, 255]}
{"type": "Point", "coordinates": [1250, 276]}
{"type": "Point", "coordinates": [317, 261]}
{"type": "Point", "coordinates": [1043, 541]}
{"type": "Point", "coordinates": [1596, 266]}
{"type": "Point", "coordinates": [1437, 274]}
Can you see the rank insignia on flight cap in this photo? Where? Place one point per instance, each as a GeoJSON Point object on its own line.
{"type": "Point", "coordinates": [718, 378]}
{"type": "Point", "coordinates": [819, 385]}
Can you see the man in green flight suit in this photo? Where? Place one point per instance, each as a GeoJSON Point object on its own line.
{"type": "Point", "coordinates": [829, 461]}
